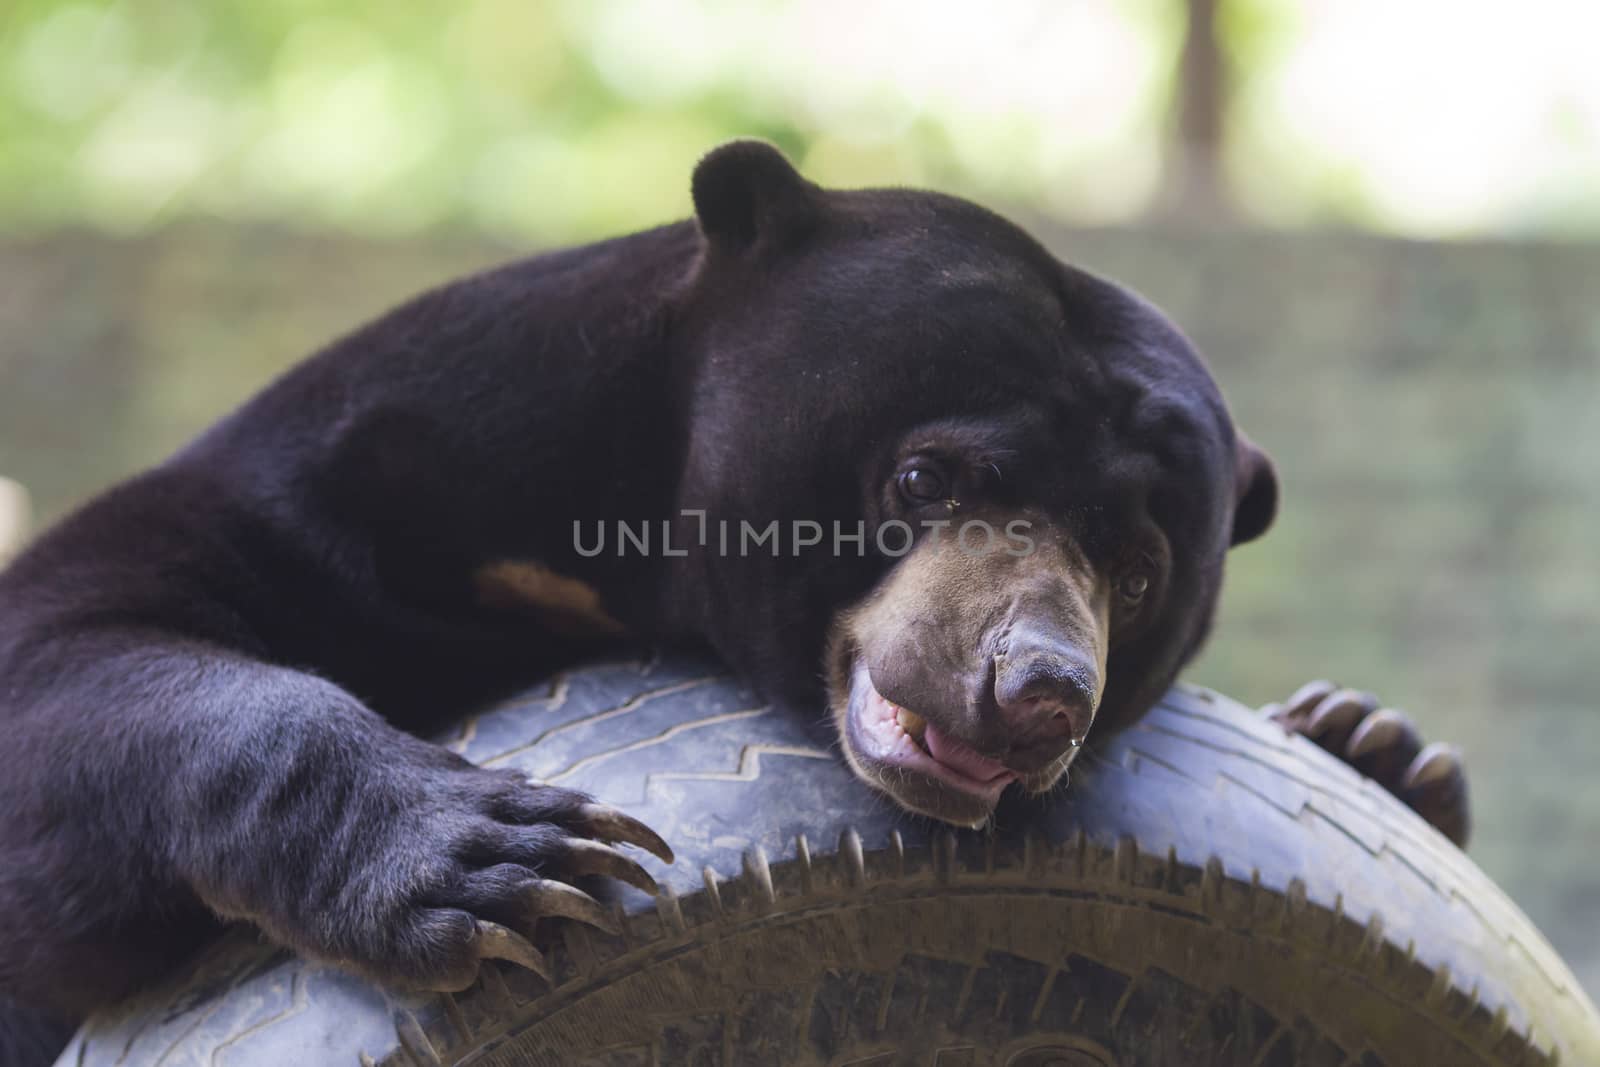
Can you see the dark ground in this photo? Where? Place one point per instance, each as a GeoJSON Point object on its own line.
{"type": "Point", "coordinates": [1434, 411]}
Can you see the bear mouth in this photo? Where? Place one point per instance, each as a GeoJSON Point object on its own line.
{"type": "Point", "coordinates": [921, 766]}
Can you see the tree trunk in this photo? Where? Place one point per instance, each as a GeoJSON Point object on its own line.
{"type": "Point", "coordinates": [1195, 183]}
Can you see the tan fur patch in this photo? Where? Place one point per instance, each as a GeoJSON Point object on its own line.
{"type": "Point", "coordinates": [566, 605]}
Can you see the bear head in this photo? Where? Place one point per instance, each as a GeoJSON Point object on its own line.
{"type": "Point", "coordinates": [1002, 488]}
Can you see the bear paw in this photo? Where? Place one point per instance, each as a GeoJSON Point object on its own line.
{"type": "Point", "coordinates": [1384, 745]}
{"type": "Point", "coordinates": [461, 864]}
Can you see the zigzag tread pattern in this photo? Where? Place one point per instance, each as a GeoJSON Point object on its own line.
{"type": "Point", "coordinates": [1207, 752]}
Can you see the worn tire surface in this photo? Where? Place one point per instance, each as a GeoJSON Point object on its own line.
{"type": "Point", "coordinates": [1207, 891]}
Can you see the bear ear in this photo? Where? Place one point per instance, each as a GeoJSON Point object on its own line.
{"type": "Point", "coordinates": [1256, 493]}
{"type": "Point", "coordinates": [745, 190]}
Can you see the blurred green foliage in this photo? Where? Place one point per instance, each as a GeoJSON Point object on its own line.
{"type": "Point", "coordinates": [554, 119]}
{"type": "Point", "coordinates": [376, 115]}
{"type": "Point", "coordinates": [565, 119]}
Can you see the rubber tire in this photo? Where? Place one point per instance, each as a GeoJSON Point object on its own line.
{"type": "Point", "coordinates": [1207, 891]}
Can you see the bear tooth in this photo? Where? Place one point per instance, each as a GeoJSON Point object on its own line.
{"type": "Point", "coordinates": [910, 722]}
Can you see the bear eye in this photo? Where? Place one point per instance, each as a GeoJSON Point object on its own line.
{"type": "Point", "coordinates": [922, 485]}
{"type": "Point", "coordinates": [1133, 588]}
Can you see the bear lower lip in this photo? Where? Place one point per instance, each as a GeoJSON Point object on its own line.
{"type": "Point", "coordinates": [886, 734]}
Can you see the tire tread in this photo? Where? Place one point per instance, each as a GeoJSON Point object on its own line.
{"type": "Point", "coordinates": [1408, 885]}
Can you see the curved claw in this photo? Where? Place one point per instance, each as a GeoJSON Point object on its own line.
{"type": "Point", "coordinates": [605, 823]}
{"type": "Point", "coordinates": [592, 857]}
{"type": "Point", "coordinates": [1383, 746]}
{"type": "Point", "coordinates": [1340, 712]}
{"type": "Point", "coordinates": [1299, 705]}
{"type": "Point", "coordinates": [550, 898]}
{"type": "Point", "coordinates": [1435, 786]}
{"type": "Point", "coordinates": [1435, 763]}
{"type": "Point", "coordinates": [1385, 728]}
{"type": "Point", "coordinates": [491, 941]}
{"type": "Point", "coordinates": [1308, 696]}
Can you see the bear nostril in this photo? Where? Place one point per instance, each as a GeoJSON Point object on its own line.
{"type": "Point", "coordinates": [1061, 723]}
{"type": "Point", "coordinates": [1049, 721]}
{"type": "Point", "coordinates": [1046, 695]}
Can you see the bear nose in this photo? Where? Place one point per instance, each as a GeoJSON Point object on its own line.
{"type": "Point", "coordinates": [1045, 692]}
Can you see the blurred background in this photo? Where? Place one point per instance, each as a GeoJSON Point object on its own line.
{"type": "Point", "coordinates": [1379, 219]}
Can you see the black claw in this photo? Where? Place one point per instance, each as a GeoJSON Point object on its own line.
{"type": "Point", "coordinates": [1308, 696]}
{"type": "Point", "coordinates": [1336, 717]}
{"type": "Point", "coordinates": [1380, 730]}
{"type": "Point", "coordinates": [1383, 746]}
{"type": "Point", "coordinates": [1435, 786]}
{"type": "Point", "coordinates": [1293, 713]}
